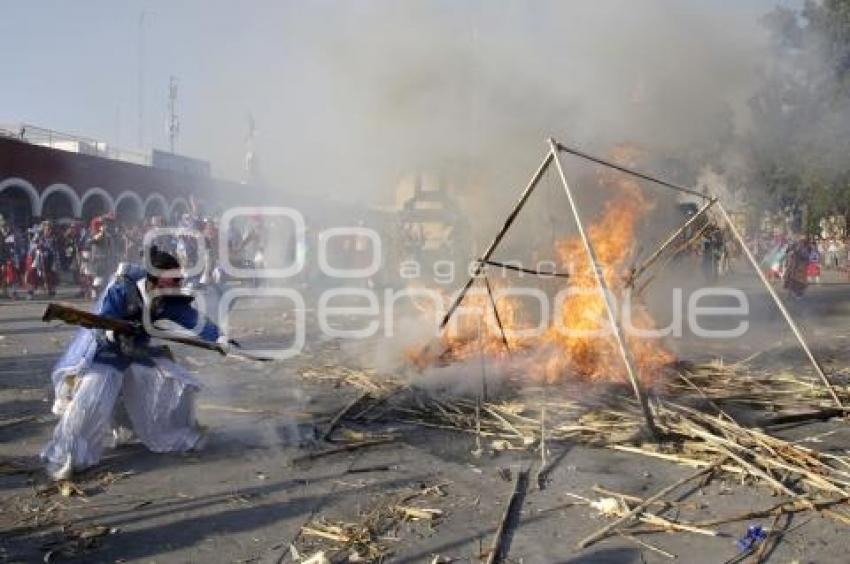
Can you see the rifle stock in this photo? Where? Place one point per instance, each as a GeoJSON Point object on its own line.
{"type": "Point", "coordinates": [74, 316]}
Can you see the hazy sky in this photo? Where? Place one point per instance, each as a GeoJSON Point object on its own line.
{"type": "Point", "coordinates": [309, 70]}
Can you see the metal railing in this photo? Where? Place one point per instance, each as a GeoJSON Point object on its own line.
{"type": "Point", "coordinates": [72, 143]}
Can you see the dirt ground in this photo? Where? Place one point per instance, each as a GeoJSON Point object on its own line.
{"type": "Point", "coordinates": [243, 500]}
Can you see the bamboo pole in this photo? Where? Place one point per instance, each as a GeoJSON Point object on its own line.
{"type": "Point", "coordinates": [679, 249]}
{"type": "Point", "coordinates": [790, 320]}
{"type": "Point", "coordinates": [584, 543]}
{"type": "Point", "coordinates": [631, 172]}
{"type": "Point", "coordinates": [526, 270]}
{"type": "Point", "coordinates": [606, 297]}
{"type": "Point", "coordinates": [479, 266]}
{"type": "Point", "coordinates": [342, 448]}
{"type": "Point", "coordinates": [342, 413]}
{"type": "Point", "coordinates": [669, 241]}
{"type": "Point", "coordinates": [496, 313]}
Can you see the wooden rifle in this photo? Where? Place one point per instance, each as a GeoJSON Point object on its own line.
{"type": "Point", "coordinates": [81, 318]}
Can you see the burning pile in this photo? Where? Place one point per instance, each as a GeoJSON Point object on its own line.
{"type": "Point", "coordinates": [578, 350]}
{"type": "Point", "coordinates": [697, 417]}
{"type": "Point", "coordinates": [579, 342]}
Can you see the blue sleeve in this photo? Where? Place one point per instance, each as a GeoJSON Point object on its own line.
{"type": "Point", "coordinates": [188, 317]}
{"type": "Point", "coordinates": [113, 303]}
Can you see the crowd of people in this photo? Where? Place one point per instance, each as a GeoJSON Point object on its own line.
{"type": "Point", "coordinates": [35, 260]}
{"type": "Point", "coordinates": [797, 261]}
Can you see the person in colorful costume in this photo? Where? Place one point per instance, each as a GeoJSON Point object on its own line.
{"type": "Point", "coordinates": [105, 382]}
{"type": "Point", "coordinates": [10, 261]}
{"type": "Point", "coordinates": [797, 267]}
{"type": "Point", "coordinates": [42, 261]}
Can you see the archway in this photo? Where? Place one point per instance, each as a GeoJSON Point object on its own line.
{"type": "Point", "coordinates": [156, 205]}
{"type": "Point", "coordinates": [59, 202]}
{"type": "Point", "coordinates": [18, 201]}
{"type": "Point", "coordinates": [178, 207]}
{"type": "Point", "coordinates": [129, 208]}
{"type": "Point", "coordinates": [96, 201]}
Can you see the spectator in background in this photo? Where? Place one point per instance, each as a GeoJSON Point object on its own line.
{"type": "Point", "coordinates": [11, 266]}
{"type": "Point", "coordinates": [102, 249]}
{"type": "Point", "coordinates": [813, 269]}
{"type": "Point", "coordinates": [797, 259]}
{"type": "Point", "coordinates": [832, 253]}
{"type": "Point", "coordinates": [42, 261]}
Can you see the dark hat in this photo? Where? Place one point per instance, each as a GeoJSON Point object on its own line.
{"type": "Point", "coordinates": [162, 260]}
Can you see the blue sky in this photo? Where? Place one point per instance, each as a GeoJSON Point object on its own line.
{"type": "Point", "coordinates": [307, 70]}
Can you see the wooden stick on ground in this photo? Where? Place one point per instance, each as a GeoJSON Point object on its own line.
{"type": "Point", "coordinates": [664, 504]}
{"type": "Point", "coordinates": [541, 477]}
{"type": "Point", "coordinates": [498, 551]}
{"type": "Point", "coordinates": [769, 543]}
{"type": "Point", "coordinates": [543, 473]}
{"type": "Point", "coordinates": [648, 546]}
{"type": "Point", "coordinates": [821, 414]}
{"type": "Point", "coordinates": [604, 531]}
{"type": "Point", "coordinates": [787, 506]}
{"type": "Point", "coordinates": [338, 417]}
{"type": "Point", "coordinates": [342, 448]}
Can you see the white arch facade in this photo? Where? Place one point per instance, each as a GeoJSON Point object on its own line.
{"type": "Point", "coordinates": [177, 203]}
{"type": "Point", "coordinates": [15, 182]}
{"type": "Point", "coordinates": [93, 192]}
{"type": "Point", "coordinates": [139, 204]}
{"type": "Point", "coordinates": [76, 203]}
{"type": "Point", "coordinates": [156, 197]}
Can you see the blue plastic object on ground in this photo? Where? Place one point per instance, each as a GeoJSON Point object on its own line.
{"type": "Point", "coordinates": [755, 533]}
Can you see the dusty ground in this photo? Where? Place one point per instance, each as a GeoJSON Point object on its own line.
{"type": "Point", "coordinates": [241, 499]}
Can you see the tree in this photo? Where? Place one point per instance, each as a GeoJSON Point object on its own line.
{"type": "Point", "coordinates": [800, 140]}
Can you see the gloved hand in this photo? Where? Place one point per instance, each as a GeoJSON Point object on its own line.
{"type": "Point", "coordinates": [125, 343]}
{"type": "Point", "coordinates": [225, 343]}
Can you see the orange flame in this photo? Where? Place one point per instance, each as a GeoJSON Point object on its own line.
{"type": "Point", "coordinates": [580, 342]}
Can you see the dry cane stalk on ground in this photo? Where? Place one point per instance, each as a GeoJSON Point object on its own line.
{"type": "Point", "coordinates": [704, 437]}
{"type": "Point", "coordinates": [367, 539]}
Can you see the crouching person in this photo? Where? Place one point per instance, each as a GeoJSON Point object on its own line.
{"type": "Point", "coordinates": [106, 383]}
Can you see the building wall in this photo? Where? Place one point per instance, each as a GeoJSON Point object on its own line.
{"type": "Point", "coordinates": [38, 181]}
{"type": "Point", "coordinates": [84, 184]}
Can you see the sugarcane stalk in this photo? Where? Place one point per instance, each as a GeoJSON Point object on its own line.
{"type": "Point", "coordinates": [631, 370]}
{"type": "Point", "coordinates": [587, 541]}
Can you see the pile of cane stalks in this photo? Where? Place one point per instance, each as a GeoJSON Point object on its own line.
{"type": "Point", "coordinates": [708, 415]}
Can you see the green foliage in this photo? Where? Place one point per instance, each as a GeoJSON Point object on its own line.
{"type": "Point", "coordinates": [801, 112]}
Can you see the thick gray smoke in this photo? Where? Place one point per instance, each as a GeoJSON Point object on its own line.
{"type": "Point", "coordinates": [469, 91]}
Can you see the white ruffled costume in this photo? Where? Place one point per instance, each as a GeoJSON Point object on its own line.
{"type": "Point", "coordinates": [99, 386]}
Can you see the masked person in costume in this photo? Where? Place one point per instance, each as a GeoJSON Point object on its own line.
{"type": "Point", "coordinates": [122, 384]}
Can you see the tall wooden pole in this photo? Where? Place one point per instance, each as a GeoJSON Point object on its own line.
{"type": "Point", "coordinates": [606, 297]}
{"type": "Point", "coordinates": [791, 323]}
{"type": "Point", "coordinates": [669, 241]}
{"type": "Point", "coordinates": [479, 266]}
{"type": "Point", "coordinates": [496, 314]}
{"type": "Point", "coordinates": [632, 172]}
